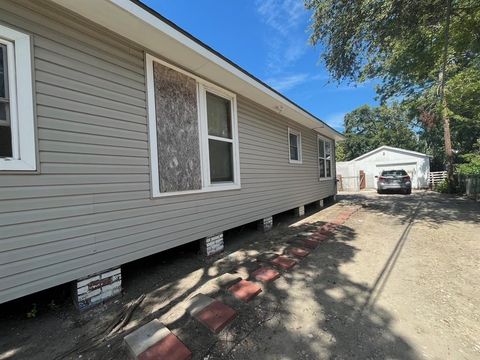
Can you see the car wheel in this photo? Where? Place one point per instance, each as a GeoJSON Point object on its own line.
{"type": "Point", "coordinates": [409, 191]}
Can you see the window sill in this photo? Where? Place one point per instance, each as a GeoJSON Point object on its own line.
{"type": "Point", "coordinates": [16, 165]}
{"type": "Point", "coordinates": [212, 188]}
{"type": "Point", "coordinates": [325, 179]}
{"type": "Point", "coordinates": [295, 161]}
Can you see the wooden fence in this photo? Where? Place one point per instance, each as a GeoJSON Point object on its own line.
{"type": "Point", "coordinates": [470, 185]}
{"type": "Point", "coordinates": [435, 178]}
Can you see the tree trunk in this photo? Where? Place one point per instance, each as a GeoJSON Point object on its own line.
{"type": "Point", "coordinates": [443, 99]}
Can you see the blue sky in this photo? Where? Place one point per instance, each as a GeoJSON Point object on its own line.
{"type": "Point", "coordinates": [269, 39]}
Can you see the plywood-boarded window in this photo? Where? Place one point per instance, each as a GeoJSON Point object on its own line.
{"type": "Point", "coordinates": [178, 147]}
{"type": "Point", "coordinates": [193, 132]}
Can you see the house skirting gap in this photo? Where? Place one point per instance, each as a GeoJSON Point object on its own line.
{"type": "Point", "coordinates": [265, 224]}
{"type": "Point", "coordinates": [212, 245]}
{"type": "Point", "coordinates": [97, 288]}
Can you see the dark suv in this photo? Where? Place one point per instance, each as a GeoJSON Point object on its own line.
{"type": "Point", "coordinates": [394, 180]}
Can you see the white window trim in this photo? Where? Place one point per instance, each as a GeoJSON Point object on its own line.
{"type": "Point", "coordinates": [299, 146]}
{"type": "Point", "coordinates": [202, 87]}
{"type": "Point", "coordinates": [22, 115]}
{"type": "Point", "coordinates": [332, 144]}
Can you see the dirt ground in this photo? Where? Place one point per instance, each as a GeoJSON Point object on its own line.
{"type": "Point", "coordinates": [399, 280]}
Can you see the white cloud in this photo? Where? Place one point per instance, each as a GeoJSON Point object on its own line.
{"type": "Point", "coordinates": [287, 42]}
{"type": "Point", "coordinates": [287, 82]}
{"type": "Point", "coordinates": [281, 15]}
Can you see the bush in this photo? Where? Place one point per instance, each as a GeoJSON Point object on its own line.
{"type": "Point", "coordinates": [471, 165]}
{"type": "Point", "coordinates": [442, 187]}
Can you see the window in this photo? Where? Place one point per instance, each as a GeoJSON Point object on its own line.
{"type": "Point", "coordinates": [17, 136]}
{"type": "Point", "coordinates": [324, 158]}
{"type": "Point", "coordinates": [295, 146]}
{"type": "Point", "coordinates": [220, 139]}
{"type": "Point", "coordinates": [192, 131]}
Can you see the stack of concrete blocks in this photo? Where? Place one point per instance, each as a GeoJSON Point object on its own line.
{"type": "Point", "coordinates": [265, 224]}
{"type": "Point", "coordinates": [300, 211]}
{"type": "Point", "coordinates": [212, 245]}
{"type": "Point", "coordinates": [97, 288]}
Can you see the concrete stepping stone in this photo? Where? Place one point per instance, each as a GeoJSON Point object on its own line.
{"type": "Point", "coordinates": [283, 262]}
{"type": "Point", "coordinates": [298, 252]}
{"type": "Point", "coordinates": [210, 312]}
{"type": "Point", "coordinates": [245, 290]}
{"type": "Point", "coordinates": [265, 274]}
{"type": "Point", "coordinates": [310, 243]}
{"type": "Point", "coordinates": [155, 341]}
{"type": "Point", "coordinates": [266, 257]}
{"type": "Point", "coordinates": [227, 279]}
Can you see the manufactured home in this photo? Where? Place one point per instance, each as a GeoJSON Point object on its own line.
{"type": "Point", "coordinates": [121, 136]}
{"type": "Point", "coordinates": [362, 172]}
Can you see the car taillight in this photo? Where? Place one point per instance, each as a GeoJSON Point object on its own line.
{"type": "Point", "coordinates": [406, 178]}
{"type": "Point", "coordinates": [381, 178]}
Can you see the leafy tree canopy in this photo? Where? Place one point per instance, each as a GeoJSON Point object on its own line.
{"type": "Point", "coordinates": [367, 128]}
{"type": "Point", "coordinates": [398, 41]}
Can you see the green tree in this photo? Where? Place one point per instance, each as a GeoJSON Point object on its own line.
{"type": "Point", "coordinates": [415, 47]}
{"type": "Point", "coordinates": [367, 128]}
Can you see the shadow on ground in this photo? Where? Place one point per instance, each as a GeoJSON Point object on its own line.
{"type": "Point", "coordinates": [312, 312]}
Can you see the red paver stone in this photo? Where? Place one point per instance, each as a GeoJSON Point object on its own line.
{"type": "Point", "coordinates": [319, 237]}
{"type": "Point", "coordinates": [338, 221]}
{"type": "Point", "coordinates": [245, 290]}
{"type": "Point", "coordinates": [299, 252]}
{"type": "Point", "coordinates": [284, 262]}
{"type": "Point", "coordinates": [168, 348]}
{"type": "Point", "coordinates": [266, 274]}
{"type": "Point", "coordinates": [330, 226]}
{"type": "Point", "coordinates": [310, 243]}
{"type": "Point", "coordinates": [216, 316]}
{"type": "Point", "coordinates": [324, 231]}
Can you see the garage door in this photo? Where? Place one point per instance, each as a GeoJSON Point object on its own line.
{"type": "Point", "coordinates": [410, 168]}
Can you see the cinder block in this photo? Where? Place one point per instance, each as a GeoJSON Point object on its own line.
{"type": "Point", "coordinates": [85, 281]}
{"type": "Point", "coordinates": [300, 211]}
{"type": "Point", "coordinates": [212, 245]}
{"type": "Point", "coordinates": [97, 288]}
{"type": "Point", "coordinates": [265, 224]}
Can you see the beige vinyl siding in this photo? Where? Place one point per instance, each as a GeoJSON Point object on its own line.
{"type": "Point", "coordinates": [89, 208]}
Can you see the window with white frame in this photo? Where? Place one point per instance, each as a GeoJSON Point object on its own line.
{"type": "Point", "coordinates": [17, 134]}
{"type": "Point", "coordinates": [325, 148]}
{"type": "Point", "coordinates": [193, 132]}
{"type": "Point", "coordinates": [295, 146]}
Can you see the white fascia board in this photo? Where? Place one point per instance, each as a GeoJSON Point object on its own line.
{"type": "Point", "coordinates": [129, 20]}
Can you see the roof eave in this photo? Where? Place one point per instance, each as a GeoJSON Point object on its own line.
{"type": "Point", "coordinates": [142, 25]}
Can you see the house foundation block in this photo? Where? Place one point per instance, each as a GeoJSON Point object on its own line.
{"type": "Point", "coordinates": [212, 245]}
{"type": "Point", "coordinates": [265, 224]}
{"type": "Point", "coordinates": [97, 288]}
{"type": "Point", "coordinates": [321, 204]}
{"type": "Point", "coordinates": [300, 211]}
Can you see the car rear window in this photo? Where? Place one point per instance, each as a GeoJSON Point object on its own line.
{"type": "Point", "coordinates": [394, 173]}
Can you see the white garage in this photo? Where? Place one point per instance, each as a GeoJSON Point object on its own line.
{"type": "Point", "coordinates": [360, 172]}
